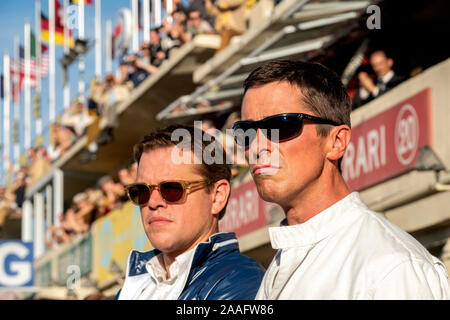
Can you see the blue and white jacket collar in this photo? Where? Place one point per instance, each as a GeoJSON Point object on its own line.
{"type": "Point", "coordinates": [137, 276]}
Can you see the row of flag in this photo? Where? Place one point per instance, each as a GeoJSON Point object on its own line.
{"type": "Point", "coordinates": [17, 70]}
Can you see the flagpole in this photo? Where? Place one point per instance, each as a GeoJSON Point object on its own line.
{"type": "Point", "coordinates": [146, 18]}
{"type": "Point", "coordinates": [52, 58]}
{"type": "Point", "coordinates": [81, 65]}
{"type": "Point", "coordinates": [135, 25]}
{"type": "Point", "coordinates": [66, 88]}
{"type": "Point", "coordinates": [27, 97]}
{"type": "Point", "coordinates": [108, 46]}
{"type": "Point", "coordinates": [38, 121]}
{"type": "Point", "coordinates": [6, 113]}
{"type": "Point", "coordinates": [17, 93]}
{"type": "Point", "coordinates": [169, 7]}
{"type": "Point", "coordinates": [98, 36]}
{"type": "Point", "coordinates": [157, 12]}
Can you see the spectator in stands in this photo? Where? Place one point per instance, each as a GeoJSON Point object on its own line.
{"type": "Point", "coordinates": [128, 174]}
{"type": "Point", "coordinates": [197, 25]}
{"type": "Point", "coordinates": [106, 97]}
{"type": "Point", "coordinates": [63, 139]}
{"type": "Point", "coordinates": [139, 70]}
{"type": "Point", "coordinates": [7, 205]}
{"type": "Point", "coordinates": [230, 19]}
{"type": "Point", "coordinates": [173, 35]}
{"type": "Point", "coordinates": [39, 164]}
{"type": "Point", "coordinates": [96, 198]}
{"type": "Point", "coordinates": [199, 5]}
{"type": "Point", "coordinates": [386, 79]}
{"type": "Point", "coordinates": [93, 130]}
{"type": "Point", "coordinates": [59, 234]}
{"type": "Point", "coordinates": [157, 54]}
{"type": "Point", "coordinates": [19, 187]}
{"type": "Point", "coordinates": [192, 259]}
{"type": "Point", "coordinates": [77, 118]}
{"type": "Point", "coordinates": [112, 95]}
{"type": "Point", "coordinates": [85, 209]}
{"type": "Point", "coordinates": [114, 192]}
{"type": "Point", "coordinates": [179, 27]}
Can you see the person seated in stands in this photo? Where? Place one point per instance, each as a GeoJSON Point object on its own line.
{"type": "Point", "coordinates": [157, 54]}
{"type": "Point", "coordinates": [75, 215]}
{"type": "Point", "coordinates": [127, 175]}
{"type": "Point", "coordinates": [386, 79]}
{"type": "Point", "coordinates": [115, 194]}
{"type": "Point", "coordinates": [63, 138]}
{"type": "Point", "coordinates": [197, 25]}
{"type": "Point", "coordinates": [8, 207]}
{"type": "Point", "coordinates": [39, 164]}
{"type": "Point", "coordinates": [85, 210]}
{"type": "Point", "coordinates": [19, 187]}
{"type": "Point", "coordinates": [93, 130]}
{"type": "Point", "coordinates": [230, 19]}
{"type": "Point", "coordinates": [139, 70]}
{"type": "Point", "coordinates": [173, 34]}
{"type": "Point", "coordinates": [112, 94]}
{"type": "Point", "coordinates": [179, 27]}
{"type": "Point", "coordinates": [199, 5]}
{"type": "Point", "coordinates": [59, 234]}
{"type": "Point", "coordinates": [77, 117]}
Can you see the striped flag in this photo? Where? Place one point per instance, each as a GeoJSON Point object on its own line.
{"type": "Point", "coordinates": [85, 1]}
{"type": "Point", "coordinates": [19, 68]}
{"type": "Point", "coordinates": [59, 32]}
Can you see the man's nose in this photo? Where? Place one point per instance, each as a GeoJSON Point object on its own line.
{"type": "Point", "coordinates": [259, 144]}
{"type": "Point", "coordinates": [156, 200]}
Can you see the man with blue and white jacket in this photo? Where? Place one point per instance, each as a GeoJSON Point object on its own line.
{"type": "Point", "coordinates": [182, 197]}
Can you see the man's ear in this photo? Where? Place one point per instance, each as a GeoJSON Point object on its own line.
{"type": "Point", "coordinates": [220, 195]}
{"type": "Point", "coordinates": [339, 140]}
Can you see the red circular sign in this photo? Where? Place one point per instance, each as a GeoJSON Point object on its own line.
{"type": "Point", "coordinates": [406, 134]}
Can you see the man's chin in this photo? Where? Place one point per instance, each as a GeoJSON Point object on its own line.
{"type": "Point", "coordinates": [267, 191]}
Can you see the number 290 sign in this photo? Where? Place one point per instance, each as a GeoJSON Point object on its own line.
{"type": "Point", "coordinates": [16, 264]}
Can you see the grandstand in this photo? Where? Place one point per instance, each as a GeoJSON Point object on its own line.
{"type": "Point", "coordinates": [411, 188]}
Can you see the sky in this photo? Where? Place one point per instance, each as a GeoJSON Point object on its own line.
{"type": "Point", "coordinates": [12, 18]}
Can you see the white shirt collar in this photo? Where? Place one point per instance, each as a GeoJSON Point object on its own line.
{"type": "Point", "coordinates": [318, 227]}
{"type": "Point", "coordinates": [388, 76]}
{"type": "Point", "coordinates": [155, 266]}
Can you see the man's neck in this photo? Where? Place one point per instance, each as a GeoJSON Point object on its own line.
{"type": "Point", "coordinates": [315, 199]}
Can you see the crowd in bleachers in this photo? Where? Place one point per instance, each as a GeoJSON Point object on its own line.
{"type": "Point", "coordinates": [97, 117]}
{"type": "Point", "coordinates": [91, 204]}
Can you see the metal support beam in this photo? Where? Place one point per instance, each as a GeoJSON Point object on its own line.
{"type": "Point", "coordinates": [27, 221]}
{"type": "Point", "coordinates": [39, 240]}
{"type": "Point", "coordinates": [58, 195]}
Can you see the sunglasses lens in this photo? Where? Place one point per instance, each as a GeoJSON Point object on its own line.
{"type": "Point", "coordinates": [139, 194]}
{"type": "Point", "coordinates": [286, 126]}
{"type": "Point", "coordinates": [172, 191]}
{"type": "Point", "coordinates": [281, 127]}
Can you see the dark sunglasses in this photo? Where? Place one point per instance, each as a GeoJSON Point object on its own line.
{"type": "Point", "coordinates": [287, 125]}
{"type": "Point", "coordinates": [171, 191]}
